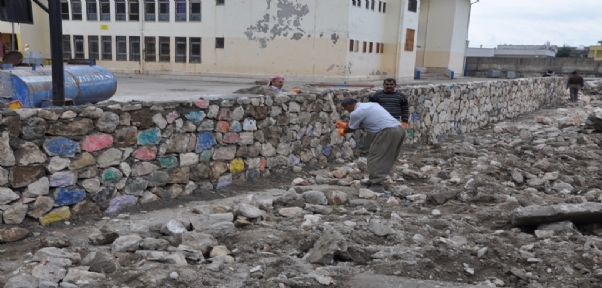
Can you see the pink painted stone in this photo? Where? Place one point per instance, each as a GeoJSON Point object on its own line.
{"type": "Point", "coordinates": [262, 164]}
{"type": "Point", "coordinates": [231, 138]}
{"type": "Point", "coordinates": [222, 126]}
{"type": "Point", "coordinates": [97, 142]}
{"type": "Point", "coordinates": [146, 153]}
{"type": "Point", "coordinates": [172, 116]}
{"type": "Point", "coordinates": [191, 144]}
{"type": "Point", "coordinates": [202, 103]}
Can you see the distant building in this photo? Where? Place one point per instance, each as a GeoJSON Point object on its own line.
{"type": "Point", "coordinates": [515, 51]}
{"type": "Point", "coordinates": [305, 39]}
{"type": "Point", "coordinates": [595, 52]}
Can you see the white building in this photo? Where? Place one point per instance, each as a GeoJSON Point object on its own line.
{"type": "Point", "coordinates": [304, 39]}
{"type": "Point", "coordinates": [515, 51]}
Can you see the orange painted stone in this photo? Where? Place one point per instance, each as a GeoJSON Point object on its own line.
{"type": "Point", "coordinates": [222, 126]}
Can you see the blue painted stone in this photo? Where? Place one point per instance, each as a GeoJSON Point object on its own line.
{"type": "Point", "coordinates": [327, 150]}
{"type": "Point", "coordinates": [120, 203]}
{"type": "Point", "coordinates": [359, 144]}
{"type": "Point", "coordinates": [61, 147]}
{"type": "Point", "coordinates": [62, 179]}
{"type": "Point", "coordinates": [415, 116]}
{"type": "Point", "coordinates": [309, 130]}
{"type": "Point", "coordinates": [102, 197]}
{"type": "Point", "coordinates": [447, 88]}
{"type": "Point", "coordinates": [235, 126]}
{"type": "Point", "coordinates": [69, 196]}
{"type": "Point", "coordinates": [224, 181]}
{"type": "Point", "coordinates": [196, 116]}
{"type": "Point", "coordinates": [150, 137]}
{"type": "Point", "coordinates": [458, 131]}
{"type": "Point", "coordinates": [421, 99]}
{"type": "Point", "coordinates": [441, 137]}
{"type": "Point", "coordinates": [293, 160]}
{"type": "Point", "coordinates": [204, 141]}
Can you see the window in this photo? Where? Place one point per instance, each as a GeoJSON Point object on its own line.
{"type": "Point", "coordinates": [367, 4]}
{"type": "Point", "coordinates": [195, 10]}
{"type": "Point", "coordinates": [93, 47]}
{"type": "Point", "coordinates": [370, 47]}
{"type": "Point", "coordinates": [120, 10]}
{"type": "Point", "coordinates": [353, 2]}
{"type": "Point", "coordinates": [220, 2]}
{"type": "Point", "coordinates": [372, 6]}
{"type": "Point", "coordinates": [412, 5]}
{"type": "Point", "coordinates": [107, 46]}
{"type": "Point", "coordinates": [181, 49]}
{"type": "Point", "coordinates": [105, 10]}
{"type": "Point", "coordinates": [356, 46]}
{"type": "Point", "coordinates": [134, 10]}
{"type": "Point", "coordinates": [409, 46]}
{"type": "Point", "coordinates": [134, 48]}
{"type": "Point", "coordinates": [164, 49]}
{"type": "Point", "coordinates": [64, 10]}
{"type": "Point", "coordinates": [195, 50]}
{"type": "Point", "coordinates": [219, 42]}
{"type": "Point", "coordinates": [380, 6]}
{"type": "Point", "coordinates": [78, 46]}
{"type": "Point", "coordinates": [163, 10]}
{"type": "Point", "coordinates": [149, 10]}
{"type": "Point", "coordinates": [180, 10]}
{"type": "Point", "coordinates": [76, 10]}
{"type": "Point", "coordinates": [384, 7]}
{"type": "Point", "coordinates": [150, 54]}
{"type": "Point", "coordinates": [122, 49]}
{"type": "Point", "coordinates": [351, 45]}
{"type": "Point", "coordinates": [365, 46]}
{"type": "Point", "coordinates": [66, 47]}
{"type": "Point", "coordinates": [92, 10]}
{"type": "Point", "coordinates": [382, 48]}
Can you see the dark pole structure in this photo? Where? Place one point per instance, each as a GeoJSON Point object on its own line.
{"type": "Point", "coordinates": [56, 52]}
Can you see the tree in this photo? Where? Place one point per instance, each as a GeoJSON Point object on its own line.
{"type": "Point", "coordinates": [564, 51]}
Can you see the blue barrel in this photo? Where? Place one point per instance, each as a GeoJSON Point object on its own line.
{"type": "Point", "coordinates": [83, 84]}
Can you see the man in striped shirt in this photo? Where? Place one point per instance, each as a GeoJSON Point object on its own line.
{"type": "Point", "coordinates": [394, 102]}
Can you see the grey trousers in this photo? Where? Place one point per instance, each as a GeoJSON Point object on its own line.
{"type": "Point", "coordinates": [574, 92]}
{"type": "Point", "coordinates": [384, 150]}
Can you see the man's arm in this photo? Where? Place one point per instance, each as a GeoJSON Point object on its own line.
{"type": "Point", "coordinates": [405, 108]}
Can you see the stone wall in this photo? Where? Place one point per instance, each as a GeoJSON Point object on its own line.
{"type": "Point", "coordinates": [533, 67]}
{"type": "Point", "coordinates": [79, 160]}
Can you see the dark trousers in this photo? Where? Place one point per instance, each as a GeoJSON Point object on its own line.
{"type": "Point", "coordinates": [574, 92]}
{"type": "Point", "coordinates": [384, 150]}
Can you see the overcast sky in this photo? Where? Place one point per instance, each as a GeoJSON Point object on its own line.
{"type": "Point", "coordinates": [533, 22]}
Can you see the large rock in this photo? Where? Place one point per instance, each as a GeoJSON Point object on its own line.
{"type": "Point", "coordinates": [248, 211]}
{"type": "Point", "coordinates": [55, 239]}
{"type": "Point", "coordinates": [60, 146]}
{"type": "Point", "coordinates": [13, 234]}
{"type": "Point", "coordinates": [38, 188]}
{"type": "Point", "coordinates": [56, 215]}
{"type": "Point", "coordinates": [101, 262]}
{"type": "Point", "coordinates": [315, 197]}
{"type": "Point", "coordinates": [7, 195]}
{"type": "Point", "coordinates": [77, 127]}
{"type": "Point", "coordinates": [53, 252]}
{"type": "Point", "coordinates": [22, 281]}
{"type": "Point", "coordinates": [21, 176]}
{"type": "Point", "coordinates": [173, 227]}
{"type": "Point", "coordinates": [128, 243]}
{"type": "Point", "coordinates": [7, 157]}
{"type": "Point", "coordinates": [577, 213]}
{"type": "Point", "coordinates": [337, 198]}
{"type": "Point", "coordinates": [221, 229]}
{"type": "Point", "coordinates": [199, 241]}
{"type": "Point", "coordinates": [29, 153]}
{"type": "Point", "coordinates": [41, 206]}
{"type": "Point", "coordinates": [76, 275]}
{"type": "Point", "coordinates": [324, 249]}
{"type": "Point", "coordinates": [15, 213]}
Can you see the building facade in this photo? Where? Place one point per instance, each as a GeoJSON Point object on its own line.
{"type": "Point", "coordinates": [304, 39]}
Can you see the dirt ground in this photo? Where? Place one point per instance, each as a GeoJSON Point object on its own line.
{"type": "Point", "coordinates": [445, 221]}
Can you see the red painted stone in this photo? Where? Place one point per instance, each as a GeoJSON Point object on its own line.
{"type": "Point", "coordinates": [222, 126]}
{"type": "Point", "coordinates": [97, 142]}
{"type": "Point", "coordinates": [201, 103]}
{"type": "Point", "coordinates": [262, 164]}
{"type": "Point", "coordinates": [172, 116]}
{"type": "Point", "coordinates": [231, 138]}
{"type": "Point", "coordinates": [146, 153]}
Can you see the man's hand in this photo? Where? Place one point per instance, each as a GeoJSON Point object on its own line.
{"type": "Point", "coordinates": [340, 124]}
{"type": "Point", "coordinates": [405, 125]}
{"type": "Point", "coordinates": [342, 131]}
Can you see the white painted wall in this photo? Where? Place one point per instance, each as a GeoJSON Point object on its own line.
{"type": "Point", "coordinates": [480, 52]}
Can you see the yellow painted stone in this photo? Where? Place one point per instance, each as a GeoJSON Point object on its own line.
{"type": "Point", "coordinates": [237, 165]}
{"type": "Point", "coordinates": [56, 215]}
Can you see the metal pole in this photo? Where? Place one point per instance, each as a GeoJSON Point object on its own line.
{"type": "Point", "coordinates": [56, 52]}
{"type": "Point", "coordinates": [12, 42]}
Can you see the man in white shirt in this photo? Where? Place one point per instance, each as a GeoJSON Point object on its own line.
{"type": "Point", "coordinates": [274, 87]}
{"type": "Point", "coordinates": [388, 139]}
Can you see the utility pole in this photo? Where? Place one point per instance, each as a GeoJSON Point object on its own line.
{"type": "Point", "coordinates": [56, 50]}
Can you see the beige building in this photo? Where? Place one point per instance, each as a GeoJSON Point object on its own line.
{"type": "Point", "coordinates": [304, 39]}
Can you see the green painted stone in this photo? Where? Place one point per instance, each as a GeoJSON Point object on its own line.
{"type": "Point", "coordinates": [111, 174]}
{"type": "Point", "coordinates": [206, 155]}
{"type": "Point", "coordinates": [168, 162]}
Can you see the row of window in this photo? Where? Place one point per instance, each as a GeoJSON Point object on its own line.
{"type": "Point", "coordinates": [370, 4]}
{"type": "Point", "coordinates": [367, 47]}
{"type": "Point", "coordinates": [185, 10]}
{"type": "Point", "coordinates": [128, 48]}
